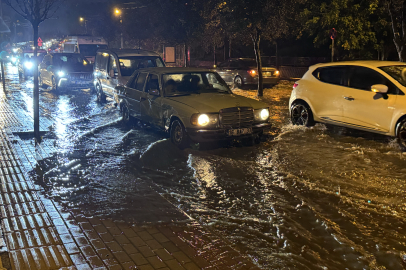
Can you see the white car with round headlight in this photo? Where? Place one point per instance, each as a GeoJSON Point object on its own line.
{"type": "Point", "coordinates": [192, 105]}
{"type": "Point", "coordinates": [365, 95]}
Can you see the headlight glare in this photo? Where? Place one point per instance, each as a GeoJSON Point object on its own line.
{"type": "Point", "coordinates": [261, 114]}
{"type": "Point", "coordinates": [203, 120]}
{"type": "Point", "coordinates": [61, 73]}
{"type": "Point", "coordinates": [28, 65]}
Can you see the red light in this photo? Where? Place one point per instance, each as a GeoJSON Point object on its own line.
{"type": "Point", "coordinates": [252, 72]}
{"type": "Point", "coordinates": [295, 85]}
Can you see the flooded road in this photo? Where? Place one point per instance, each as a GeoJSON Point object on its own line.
{"type": "Point", "coordinates": [306, 198]}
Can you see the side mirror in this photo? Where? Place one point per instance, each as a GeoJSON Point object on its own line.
{"type": "Point", "coordinates": [379, 88]}
{"type": "Point", "coordinates": [153, 92]}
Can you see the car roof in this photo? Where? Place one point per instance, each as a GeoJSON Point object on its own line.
{"type": "Point", "coordinates": [129, 52]}
{"type": "Point", "coordinates": [170, 70]}
{"type": "Point", "coordinates": [365, 63]}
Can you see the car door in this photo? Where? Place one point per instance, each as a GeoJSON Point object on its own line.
{"type": "Point", "coordinates": [364, 108]}
{"type": "Point", "coordinates": [102, 69]}
{"type": "Point", "coordinates": [326, 96]}
{"type": "Point", "coordinates": [133, 94]}
{"type": "Point", "coordinates": [151, 101]}
{"type": "Point", "coordinates": [112, 76]}
{"type": "Point", "coordinates": [222, 70]}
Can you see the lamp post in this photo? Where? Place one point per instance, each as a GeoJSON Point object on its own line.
{"type": "Point", "coordinates": [118, 12]}
{"type": "Point", "coordinates": [81, 19]}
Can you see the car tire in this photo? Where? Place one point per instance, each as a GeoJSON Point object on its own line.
{"type": "Point", "coordinates": [401, 134]}
{"type": "Point", "coordinates": [238, 82]}
{"type": "Point", "coordinates": [301, 114]}
{"type": "Point", "coordinates": [101, 97]}
{"type": "Point", "coordinates": [125, 113]}
{"type": "Point", "coordinates": [178, 135]}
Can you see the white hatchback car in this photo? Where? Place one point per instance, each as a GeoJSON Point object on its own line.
{"type": "Point", "coordinates": [366, 95]}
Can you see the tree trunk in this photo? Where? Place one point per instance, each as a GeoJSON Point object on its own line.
{"type": "Point", "coordinates": [36, 86]}
{"type": "Point", "coordinates": [256, 39]}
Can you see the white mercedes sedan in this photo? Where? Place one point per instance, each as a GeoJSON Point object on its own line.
{"type": "Point", "coordinates": [365, 95]}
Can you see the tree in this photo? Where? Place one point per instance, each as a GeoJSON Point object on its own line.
{"type": "Point", "coordinates": [251, 21]}
{"type": "Point", "coordinates": [396, 10]}
{"type": "Point", "coordinates": [35, 11]}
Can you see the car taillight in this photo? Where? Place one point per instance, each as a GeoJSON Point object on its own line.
{"type": "Point", "coordinates": [276, 73]}
{"type": "Point", "coordinates": [295, 85]}
{"type": "Point", "coordinates": [252, 72]}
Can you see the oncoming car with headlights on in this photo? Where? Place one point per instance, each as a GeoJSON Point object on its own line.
{"type": "Point", "coordinates": [192, 105]}
{"type": "Point", "coordinates": [65, 70]}
{"type": "Point", "coordinates": [26, 62]}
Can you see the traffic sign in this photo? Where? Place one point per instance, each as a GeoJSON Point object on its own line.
{"type": "Point", "coordinates": [39, 42]}
{"type": "Point", "coordinates": [333, 33]}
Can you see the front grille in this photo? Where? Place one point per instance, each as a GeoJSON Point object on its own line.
{"type": "Point", "coordinates": [236, 117]}
{"type": "Point", "coordinates": [80, 76]}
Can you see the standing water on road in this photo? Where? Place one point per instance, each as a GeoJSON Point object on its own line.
{"type": "Point", "coordinates": [307, 198]}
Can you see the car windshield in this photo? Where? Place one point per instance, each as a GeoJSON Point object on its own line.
{"type": "Point", "coordinates": [396, 72]}
{"type": "Point", "coordinates": [131, 63]}
{"type": "Point", "coordinates": [90, 49]}
{"type": "Point", "coordinates": [188, 83]}
{"type": "Point", "coordinates": [69, 59]}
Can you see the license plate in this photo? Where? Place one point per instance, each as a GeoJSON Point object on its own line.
{"type": "Point", "coordinates": [239, 131]}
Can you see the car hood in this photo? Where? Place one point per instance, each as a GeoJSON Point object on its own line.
{"type": "Point", "coordinates": [75, 68]}
{"type": "Point", "coordinates": [214, 102]}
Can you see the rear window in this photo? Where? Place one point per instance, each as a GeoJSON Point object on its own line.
{"type": "Point", "coordinates": [333, 75]}
{"type": "Point", "coordinates": [130, 64]}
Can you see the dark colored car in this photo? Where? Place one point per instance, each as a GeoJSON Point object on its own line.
{"type": "Point", "coordinates": [26, 62]}
{"type": "Point", "coordinates": [192, 105]}
{"type": "Point", "coordinates": [244, 71]}
{"type": "Point", "coordinates": [65, 70]}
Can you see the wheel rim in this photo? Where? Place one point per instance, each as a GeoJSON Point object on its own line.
{"type": "Point", "coordinates": [402, 134]}
{"type": "Point", "coordinates": [300, 115]}
{"type": "Point", "coordinates": [177, 133]}
{"type": "Point", "coordinates": [238, 81]}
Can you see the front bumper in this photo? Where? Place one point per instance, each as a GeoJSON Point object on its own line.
{"type": "Point", "coordinates": [210, 135]}
{"type": "Point", "coordinates": [66, 82]}
{"type": "Point", "coordinates": [265, 80]}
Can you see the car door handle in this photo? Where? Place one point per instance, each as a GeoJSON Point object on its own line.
{"type": "Point", "coordinates": [349, 98]}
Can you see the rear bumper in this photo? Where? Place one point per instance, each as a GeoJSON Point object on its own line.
{"type": "Point", "coordinates": [267, 80]}
{"type": "Point", "coordinates": [210, 135]}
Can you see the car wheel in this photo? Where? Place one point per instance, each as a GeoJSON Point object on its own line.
{"type": "Point", "coordinates": [178, 135]}
{"type": "Point", "coordinates": [301, 114]}
{"type": "Point", "coordinates": [125, 113]}
{"type": "Point", "coordinates": [401, 134]}
{"type": "Point", "coordinates": [101, 97]}
{"type": "Point", "coordinates": [238, 82]}
{"type": "Point", "coordinates": [54, 85]}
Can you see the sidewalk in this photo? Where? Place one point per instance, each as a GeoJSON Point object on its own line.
{"type": "Point", "coordinates": [40, 234]}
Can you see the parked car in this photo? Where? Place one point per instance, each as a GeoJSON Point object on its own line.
{"type": "Point", "coordinates": [191, 105]}
{"type": "Point", "coordinates": [365, 95]}
{"type": "Point", "coordinates": [114, 67]}
{"type": "Point", "coordinates": [244, 71]}
{"type": "Point", "coordinates": [63, 70]}
{"type": "Point", "coordinates": [26, 62]}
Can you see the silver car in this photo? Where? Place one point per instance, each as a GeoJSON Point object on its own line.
{"type": "Point", "coordinates": [243, 71]}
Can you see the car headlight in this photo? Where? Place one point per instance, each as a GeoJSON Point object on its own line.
{"type": "Point", "coordinates": [28, 65]}
{"type": "Point", "coordinates": [61, 73]}
{"type": "Point", "coordinates": [203, 120]}
{"type": "Point", "coordinates": [261, 115]}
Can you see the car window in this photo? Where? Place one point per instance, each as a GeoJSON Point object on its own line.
{"type": "Point", "coordinates": [152, 82]}
{"type": "Point", "coordinates": [234, 64]}
{"type": "Point", "coordinates": [139, 84]}
{"type": "Point", "coordinates": [112, 64]}
{"type": "Point", "coordinates": [129, 64]}
{"type": "Point", "coordinates": [363, 78]}
{"type": "Point", "coordinates": [103, 61]}
{"type": "Point", "coordinates": [333, 75]}
{"type": "Point", "coordinates": [132, 81]}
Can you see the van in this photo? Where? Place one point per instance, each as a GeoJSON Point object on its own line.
{"type": "Point", "coordinates": [113, 67]}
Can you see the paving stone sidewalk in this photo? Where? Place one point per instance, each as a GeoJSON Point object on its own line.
{"type": "Point", "coordinates": [40, 234]}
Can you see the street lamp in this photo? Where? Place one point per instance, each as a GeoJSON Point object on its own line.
{"type": "Point", "coordinates": [118, 12]}
{"type": "Point", "coordinates": [81, 19]}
